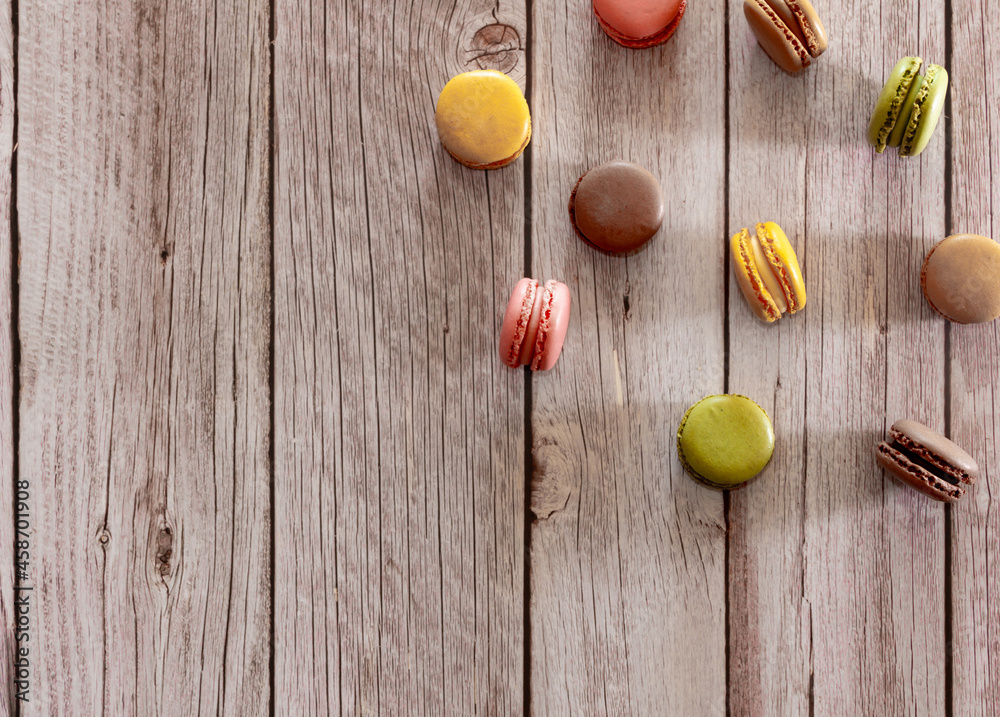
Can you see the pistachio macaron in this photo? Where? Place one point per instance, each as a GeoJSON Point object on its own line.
{"type": "Point", "coordinates": [908, 108]}
{"type": "Point", "coordinates": [768, 272]}
{"type": "Point", "coordinates": [482, 119]}
{"type": "Point", "coordinates": [725, 440]}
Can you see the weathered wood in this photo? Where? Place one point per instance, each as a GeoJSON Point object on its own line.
{"type": "Point", "coordinates": [975, 367]}
{"type": "Point", "coordinates": [836, 572]}
{"type": "Point", "coordinates": [627, 553]}
{"type": "Point", "coordinates": [399, 446]}
{"type": "Point", "coordinates": [399, 435]}
{"type": "Point", "coordinates": [7, 338]}
{"type": "Point", "coordinates": [144, 318]}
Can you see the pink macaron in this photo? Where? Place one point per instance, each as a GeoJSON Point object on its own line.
{"type": "Point", "coordinates": [639, 23]}
{"type": "Point", "coordinates": [534, 324]}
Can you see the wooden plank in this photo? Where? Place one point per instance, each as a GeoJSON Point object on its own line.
{"type": "Point", "coordinates": [627, 553]}
{"type": "Point", "coordinates": [836, 572]}
{"type": "Point", "coordinates": [975, 367]}
{"type": "Point", "coordinates": [8, 644]}
{"type": "Point", "coordinates": [399, 436]}
{"type": "Point", "coordinates": [144, 317]}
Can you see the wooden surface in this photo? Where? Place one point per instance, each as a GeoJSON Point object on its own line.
{"type": "Point", "coordinates": [276, 466]}
{"type": "Point", "coordinates": [835, 564]}
{"type": "Point", "coordinates": [144, 318]}
{"type": "Point", "coordinates": [973, 361]}
{"type": "Point", "coordinates": [627, 554]}
{"type": "Point", "coordinates": [7, 380]}
{"type": "Point", "coordinates": [399, 435]}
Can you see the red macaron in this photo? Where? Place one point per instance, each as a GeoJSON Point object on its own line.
{"type": "Point", "coordinates": [534, 324]}
{"type": "Point", "coordinates": [639, 23]}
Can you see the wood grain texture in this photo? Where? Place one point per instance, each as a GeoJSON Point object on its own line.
{"type": "Point", "coordinates": [402, 459]}
{"type": "Point", "coordinates": [399, 435]}
{"type": "Point", "coordinates": [627, 553]}
{"type": "Point", "coordinates": [975, 366]}
{"type": "Point", "coordinates": [144, 318]}
{"type": "Point", "coordinates": [837, 573]}
{"type": "Point", "coordinates": [7, 339]}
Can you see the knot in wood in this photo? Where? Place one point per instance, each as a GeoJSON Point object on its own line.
{"type": "Point", "coordinates": [551, 475]}
{"type": "Point", "coordinates": [495, 47]}
{"type": "Point", "coordinates": [164, 550]}
{"type": "Point", "coordinates": [104, 537]}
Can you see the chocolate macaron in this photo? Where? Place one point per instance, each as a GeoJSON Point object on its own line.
{"type": "Point", "coordinates": [960, 278]}
{"type": "Point", "coordinates": [927, 461]}
{"type": "Point", "coordinates": [617, 207]}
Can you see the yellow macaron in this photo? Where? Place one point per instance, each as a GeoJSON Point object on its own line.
{"type": "Point", "coordinates": [482, 119]}
{"type": "Point", "coordinates": [768, 271]}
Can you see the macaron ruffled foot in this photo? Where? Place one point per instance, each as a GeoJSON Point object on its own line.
{"type": "Point", "coordinates": [534, 324]}
{"type": "Point", "coordinates": [927, 461]}
{"type": "Point", "coordinates": [768, 272]}
{"type": "Point", "coordinates": [482, 119]}
{"type": "Point", "coordinates": [908, 108]}
{"type": "Point", "coordinates": [725, 440]}
{"type": "Point", "coordinates": [789, 31]}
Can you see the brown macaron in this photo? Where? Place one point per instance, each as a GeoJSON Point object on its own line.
{"type": "Point", "coordinates": [960, 278]}
{"type": "Point", "coordinates": [927, 461]}
{"type": "Point", "coordinates": [617, 207]}
{"type": "Point", "coordinates": [789, 31]}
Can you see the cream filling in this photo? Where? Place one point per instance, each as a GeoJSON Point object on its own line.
{"type": "Point", "coordinates": [767, 275]}
{"type": "Point", "coordinates": [896, 107]}
{"type": "Point", "coordinates": [906, 145]}
{"type": "Point", "coordinates": [531, 331]}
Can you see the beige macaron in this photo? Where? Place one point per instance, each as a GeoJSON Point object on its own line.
{"type": "Point", "coordinates": [789, 31]}
{"type": "Point", "coordinates": [961, 278]}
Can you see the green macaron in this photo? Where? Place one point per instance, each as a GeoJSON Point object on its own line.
{"type": "Point", "coordinates": [896, 136]}
{"type": "Point", "coordinates": [725, 440]}
{"type": "Point", "coordinates": [909, 107]}
{"type": "Point", "coordinates": [925, 112]}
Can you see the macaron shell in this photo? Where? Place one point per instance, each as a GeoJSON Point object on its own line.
{"type": "Point", "coordinates": [777, 39]}
{"type": "Point", "coordinates": [499, 163]}
{"type": "Point", "coordinates": [643, 42]}
{"type": "Point", "coordinates": [783, 11]}
{"type": "Point", "coordinates": [915, 476]}
{"type": "Point", "coordinates": [784, 263]}
{"type": "Point", "coordinates": [767, 275]}
{"type": "Point", "coordinates": [638, 19]}
{"type": "Point", "coordinates": [960, 278]}
{"type": "Point", "coordinates": [725, 440]}
{"type": "Point", "coordinates": [937, 449]}
{"type": "Point", "coordinates": [896, 136]}
{"type": "Point", "coordinates": [482, 119]}
{"type": "Point", "coordinates": [617, 207]}
{"type": "Point", "coordinates": [810, 26]}
{"type": "Point", "coordinates": [927, 108]}
{"type": "Point", "coordinates": [753, 287]}
{"type": "Point", "coordinates": [891, 100]}
{"type": "Point", "coordinates": [517, 320]}
{"type": "Point", "coordinates": [553, 325]}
